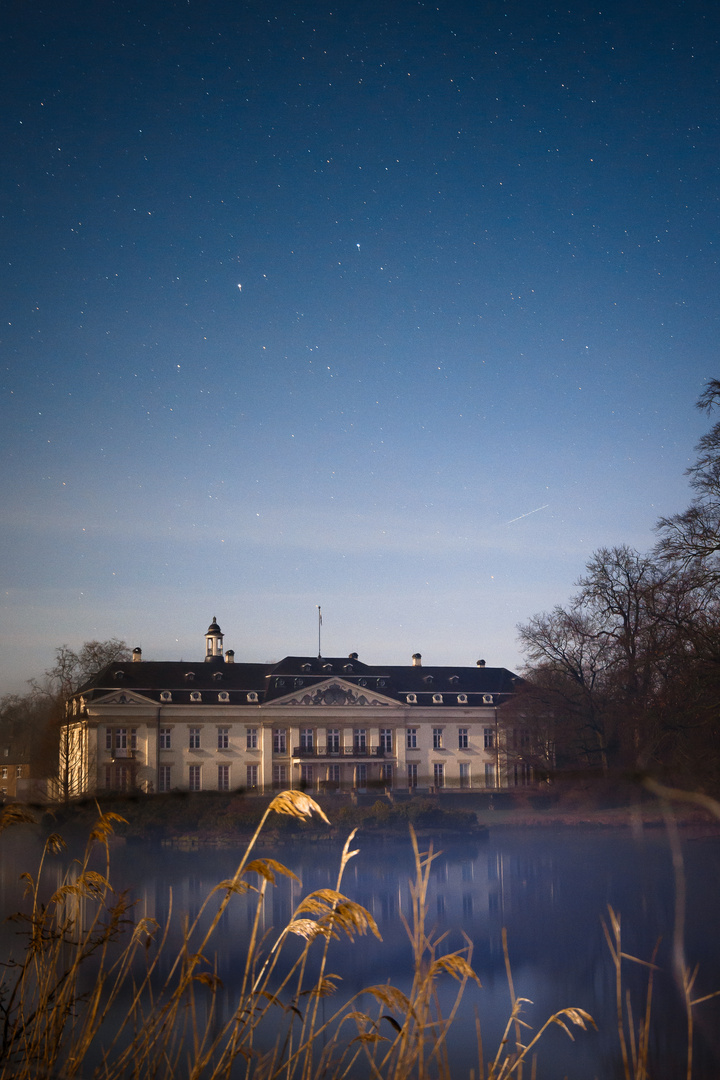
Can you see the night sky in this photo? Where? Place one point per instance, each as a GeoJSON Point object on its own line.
{"type": "Point", "coordinates": [397, 308]}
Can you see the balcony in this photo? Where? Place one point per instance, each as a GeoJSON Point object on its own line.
{"type": "Point", "coordinates": [324, 752]}
{"type": "Point", "coordinates": [123, 753]}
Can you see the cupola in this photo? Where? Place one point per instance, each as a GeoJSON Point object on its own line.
{"type": "Point", "coordinates": [213, 642]}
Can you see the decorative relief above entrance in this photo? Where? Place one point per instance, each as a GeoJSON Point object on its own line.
{"type": "Point", "coordinates": [335, 694]}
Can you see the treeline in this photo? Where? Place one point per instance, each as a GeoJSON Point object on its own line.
{"type": "Point", "coordinates": [31, 724]}
{"type": "Point", "coordinates": [626, 677]}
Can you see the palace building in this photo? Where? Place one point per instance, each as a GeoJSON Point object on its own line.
{"type": "Point", "coordinates": [320, 723]}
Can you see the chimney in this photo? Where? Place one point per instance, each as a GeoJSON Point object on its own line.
{"type": "Point", "coordinates": [352, 656]}
{"type": "Point", "coordinates": [416, 659]}
{"type": "Point", "coordinates": [230, 656]}
{"type": "Point", "coordinates": [481, 663]}
{"type": "Point", "coordinates": [137, 654]}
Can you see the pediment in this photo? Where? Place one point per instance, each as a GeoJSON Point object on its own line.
{"type": "Point", "coordinates": [333, 692]}
{"type": "Point", "coordinates": [123, 697]}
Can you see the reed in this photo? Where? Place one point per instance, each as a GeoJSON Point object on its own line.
{"type": "Point", "coordinates": [97, 994]}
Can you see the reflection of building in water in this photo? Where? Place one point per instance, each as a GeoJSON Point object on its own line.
{"type": "Point", "coordinates": [313, 722]}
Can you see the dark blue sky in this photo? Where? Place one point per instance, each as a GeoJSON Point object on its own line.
{"type": "Point", "coordinates": [477, 245]}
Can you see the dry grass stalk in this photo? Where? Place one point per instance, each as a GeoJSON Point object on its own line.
{"type": "Point", "coordinates": [59, 1002]}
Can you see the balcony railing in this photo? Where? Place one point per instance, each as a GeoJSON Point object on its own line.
{"type": "Point", "coordinates": [341, 752]}
{"type": "Point", "coordinates": [123, 752]}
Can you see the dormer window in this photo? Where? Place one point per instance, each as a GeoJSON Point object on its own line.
{"type": "Point", "coordinates": [453, 680]}
{"type": "Point", "coordinates": [487, 699]}
{"type": "Point", "coordinates": [119, 674]}
{"type": "Point", "coordinates": [437, 699]}
{"type": "Point", "coordinates": [381, 682]}
{"type": "Point", "coordinates": [411, 699]}
{"type": "Point", "coordinates": [217, 676]}
{"type": "Point", "coordinates": [165, 696]}
{"type": "Point", "coordinates": [428, 679]}
{"type": "Point", "coordinates": [195, 695]}
{"type": "Point", "coordinates": [305, 667]}
{"type": "Point", "coordinates": [189, 676]}
{"type": "Point", "coordinates": [224, 697]}
{"type": "Point", "coordinates": [252, 697]}
{"type": "Point", "coordinates": [462, 699]}
{"type": "Point", "coordinates": [348, 669]}
{"type": "Point", "coordinates": [327, 667]}
{"type": "Point", "coordinates": [279, 682]}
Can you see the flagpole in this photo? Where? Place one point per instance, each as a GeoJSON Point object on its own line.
{"type": "Point", "coordinates": [319, 626]}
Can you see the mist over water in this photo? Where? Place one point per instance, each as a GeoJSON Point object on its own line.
{"type": "Point", "coordinates": [549, 888]}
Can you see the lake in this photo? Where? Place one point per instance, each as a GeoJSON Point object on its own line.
{"type": "Point", "coordinates": [550, 889]}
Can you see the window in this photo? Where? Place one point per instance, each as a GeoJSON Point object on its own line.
{"type": "Point", "coordinates": [439, 774]}
{"type": "Point", "coordinates": [464, 774]}
{"type": "Point", "coordinates": [412, 774]}
{"type": "Point", "coordinates": [194, 778]}
{"type": "Point", "coordinates": [437, 738]}
{"type": "Point", "coordinates": [386, 740]}
{"type": "Point", "coordinates": [279, 775]}
{"type": "Point", "coordinates": [386, 774]}
{"type": "Point", "coordinates": [279, 741]}
{"type": "Point", "coordinates": [522, 775]}
{"type": "Point", "coordinates": [361, 776]}
{"type": "Point", "coordinates": [412, 738]}
{"type": "Point", "coordinates": [489, 775]}
{"type": "Point", "coordinates": [223, 738]}
{"type": "Point", "coordinates": [462, 738]}
{"type": "Point", "coordinates": [224, 777]}
{"type": "Point", "coordinates": [306, 741]}
{"type": "Point", "coordinates": [333, 775]}
{"type": "Point", "coordinates": [333, 741]}
{"type": "Point", "coordinates": [252, 776]}
{"type": "Point", "coordinates": [121, 738]}
{"type": "Point", "coordinates": [18, 771]}
{"type": "Point", "coordinates": [164, 778]}
{"type": "Point", "coordinates": [165, 734]}
{"type": "Point", "coordinates": [359, 740]}
{"type": "Point", "coordinates": [4, 772]}
{"type": "Point", "coordinates": [489, 738]}
{"type": "Point", "coordinates": [251, 738]}
{"type": "Point", "coordinates": [108, 738]}
{"type": "Point", "coordinates": [306, 775]}
{"type": "Point", "coordinates": [194, 743]}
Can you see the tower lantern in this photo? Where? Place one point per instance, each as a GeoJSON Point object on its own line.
{"type": "Point", "coordinates": [213, 642]}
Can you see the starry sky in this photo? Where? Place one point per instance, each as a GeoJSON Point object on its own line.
{"type": "Point", "coordinates": [400, 309]}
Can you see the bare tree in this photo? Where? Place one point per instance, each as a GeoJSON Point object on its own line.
{"type": "Point", "coordinates": [68, 732]}
{"type": "Point", "coordinates": [695, 533]}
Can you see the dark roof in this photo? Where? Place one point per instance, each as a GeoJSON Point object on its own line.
{"type": "Point", "coordinates": [271, 681]}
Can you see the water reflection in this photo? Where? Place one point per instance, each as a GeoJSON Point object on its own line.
{"type": "Point", "coordinates": [549, 889]}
